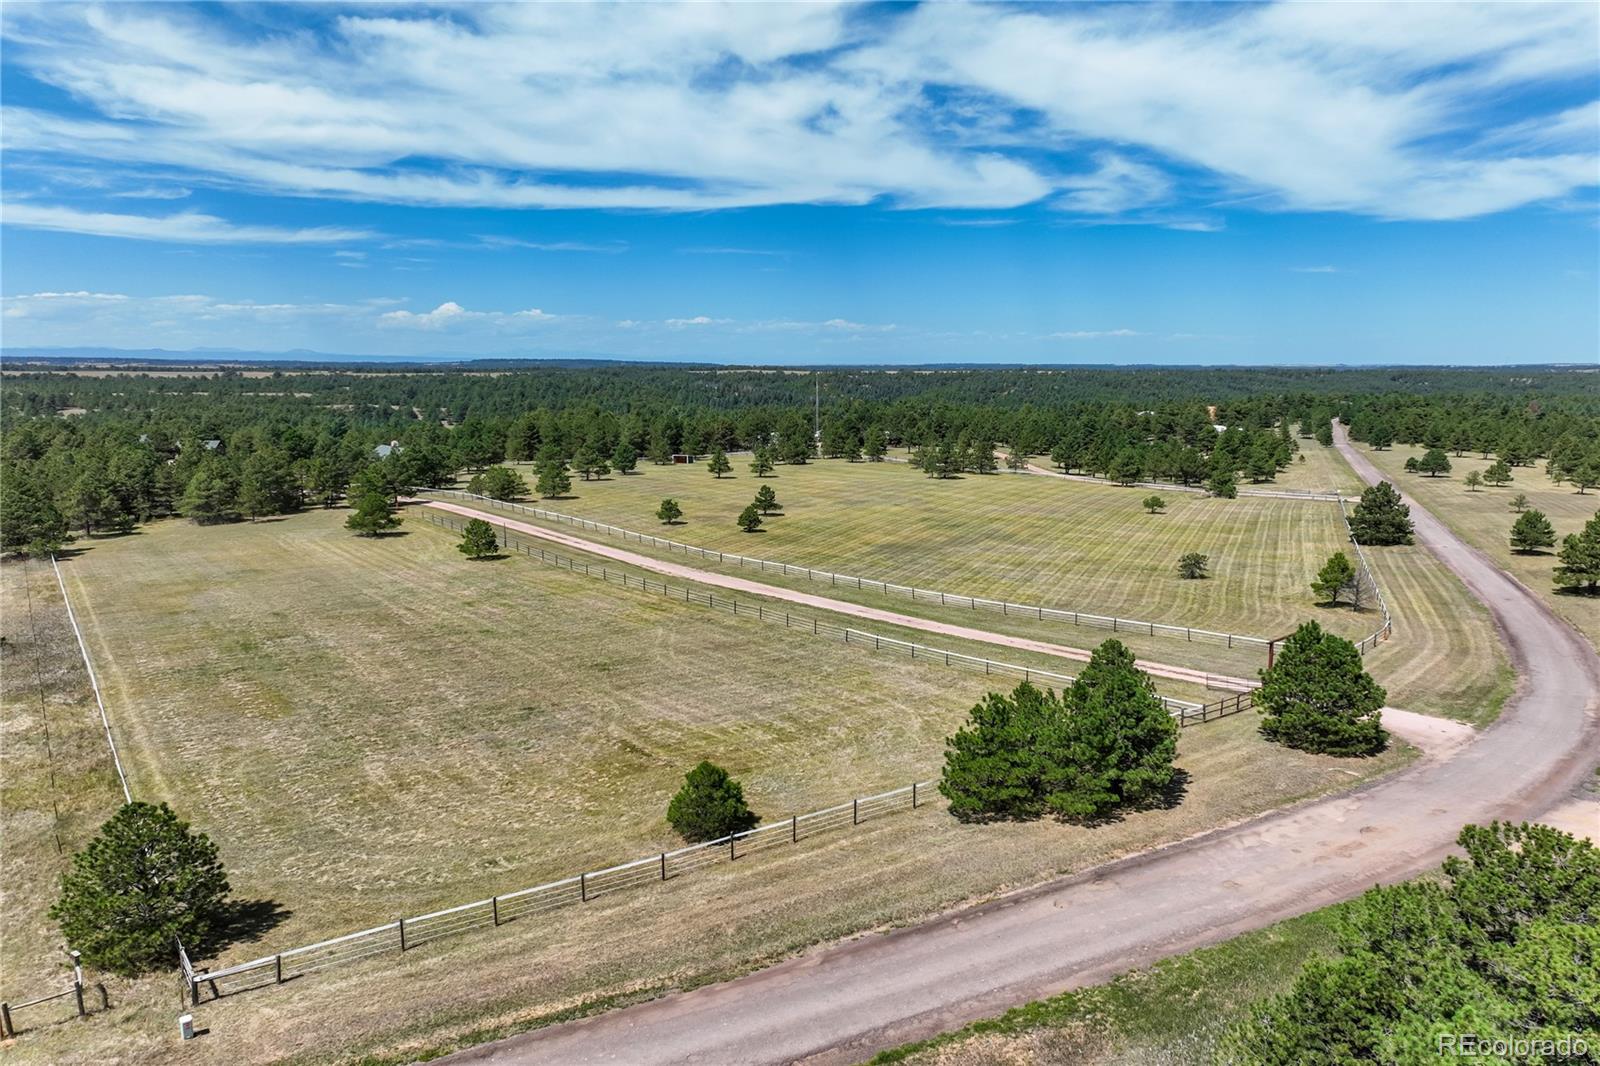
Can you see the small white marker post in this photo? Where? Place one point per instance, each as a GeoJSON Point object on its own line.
{"type": "Point", "coordinates": [186, 1026]}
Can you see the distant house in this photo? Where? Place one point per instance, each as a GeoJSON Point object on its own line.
{"type": "Point", "coordinates": [684, 457]}
{"type": "Point", "coordinates": [383, 451]}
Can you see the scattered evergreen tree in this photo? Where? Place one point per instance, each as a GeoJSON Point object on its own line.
{"type": "Point", "coordinates": [588, 464]}
{"type": "Point", "coordinates": [1579, 558]}
{"type": "Point", "coordinates": [766, 499]}
{"type": "Point", "coordinates": [1324, 435]}
{"type": "Point", "coordinates": [624, 458]}
{"type": "Point", "coordinates": [1194, 566]}
{"type": "Point", "coordinates": [1262, 465]}
{"type": "Point", "coordinates": [1338, 577]}
{"type": "Point", "coordinates": [1503, 947]}
{"type": "Point", "coordinates": [1499, 473]}
{"type": "Point", "coordinates": [750, 519]}
{"type": "Point", "coordinates": [710, 805]}
{"type": "Point", "coordinates": [553, 481]}
{"type": "Point", "coordinates": [875, 447]}
{"type": "Point", "coordinates": [1474, 480]}
{"type": "Point", "coordinates": [373, 517]}
{"type": "Point", "coordinates": [669, 512]}
{"type": "Point", "coordinates": [1519, 502]}
{"type": "Point", "coordinates": [1381, 517]}
{"type": "Point", "coordinates": [1016, 461]}
{"type": "Point", "coordinates": [1154, 503]}
{"type": "Point", "coordinates": [1222, 484]}
{"type": "Point", "coordinates": [1532, 531]}
{"type": "Point", "coordinates": [499, 483]}
{"type": "Point", "coordinates": [1127, 467]}
{"type": "Point", "coordinates": [30, 521]}
{"type": "Point", "coordinates": [143, 883]}
{"type": "Point", "coordinates": [1434, 462]}
{"type": "Point", "coordinates": [719, 464]}
{"type": "Point", "coordinates": [1117, 741]}
{"type": "Point", "coordinates": [761, 462]}
{"type": "Point", "coordinates": [992, 763]}
{"type": "Point", "coordinates": [1317, 697]}
{"type": "Point", "coordinates": [478, 540]}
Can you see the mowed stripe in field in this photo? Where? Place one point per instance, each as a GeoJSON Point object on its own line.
{"type": "Point", "coordinates": [1074, 546]}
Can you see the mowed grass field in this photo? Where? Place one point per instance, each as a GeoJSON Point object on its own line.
{"type": "Point", "coordinates": [1484, 518]}
{"type": "Point", "coordinates": [57, 783]}
{"type": "Point", "coordinates": [1026, 539]}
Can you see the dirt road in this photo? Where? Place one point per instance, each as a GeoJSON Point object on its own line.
{"type": "Point", "coordinates": [825, 603]}
{"type": "Point", "coordinates": [843, 1002]}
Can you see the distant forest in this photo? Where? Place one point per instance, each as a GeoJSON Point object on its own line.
{"type": "Point", "coordinates": [89, 454]}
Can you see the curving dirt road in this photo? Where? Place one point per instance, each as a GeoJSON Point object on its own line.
{"type": "Point", "coordinates": [826, 603]}
{"type": "Point", "coordinates": [841, 1003]}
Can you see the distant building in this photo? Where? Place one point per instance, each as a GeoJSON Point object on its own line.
{"type": "Point", "coordinates": [684, 457]}
{"type": "Point", "coordinates": [383, 451]}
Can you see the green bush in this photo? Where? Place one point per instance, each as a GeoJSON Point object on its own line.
{"type": "Point", "coordinates": [1316, 696]}
{"type": "Point", "coordinates": [709, 805]}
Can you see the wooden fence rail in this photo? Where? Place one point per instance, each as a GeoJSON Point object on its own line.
{"type": "Point", "coordinates": [851, 581]}
{"type": "Point", "coordinates": [807, 623]}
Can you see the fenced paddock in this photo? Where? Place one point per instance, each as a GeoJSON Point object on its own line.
{"type": "Point", "coordinates": [790, 620]}
{"type": "Point", "coordinates": [406, 934]}
{"type": "Point", "coordinates": [1005, 608]}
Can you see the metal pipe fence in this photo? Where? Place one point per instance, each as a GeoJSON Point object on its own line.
{"type": "Point", "coordinates": [790, 620]}
{"type": "Point", "coordinates": [851, 581]}
{"type": "Point", "coordinates": [1364, 575]}
{"type": "Point", "coordinates": [407, 934]}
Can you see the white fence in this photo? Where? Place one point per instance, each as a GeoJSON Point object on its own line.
{"type": "Point", "coordinates": [406, 934]}
{"type": "Point", "coordinates": [1364, 574]}
{"type": "Point", "coordinates": [850, 581]}
{"type": "Point", "coordinates": [806, 623]}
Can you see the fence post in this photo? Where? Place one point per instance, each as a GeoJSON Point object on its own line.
{"type": "Point", "coordinates": [855, 812]}
{"type": "Point", "coordinates": [402, 934]}
{"type": "Point", "coordinates": [494, 906]}
{"type": "Point", "coordinates": [277, 969]}
{"type": "Point", "coordinates": [5, 1021]}
{"type": "Point", "coordinates": [663, 866]}
{"type": "Point", "coordinates": [794, 829]}
{"type": "Point", "coordinates": [913, 795]}
{"type": "Point", "coordinates": [583, 887]}
{"type": "Point", "coordinates": [731, 854]}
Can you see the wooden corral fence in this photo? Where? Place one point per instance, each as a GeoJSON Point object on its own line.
{"type": "Point", "coordinates": [920, 595]}
{"type": "Point", "coordinates": [1366, 577]}
{"type": "Point", "coordinates": [806, 623]}
{"type": "Point", "coordinates": [407, 934]}
{"type": "Point", "coordinates": [75, 991]}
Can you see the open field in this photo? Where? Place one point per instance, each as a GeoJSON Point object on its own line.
{"type": "Point", "coordinates": [57, 783]}
{"type": "Point", "coordinates": [1484, 518]}
{"type": "Point", "coordinates": [1025, 539]}
{"type": "Point", "coordinates": [375, 727]}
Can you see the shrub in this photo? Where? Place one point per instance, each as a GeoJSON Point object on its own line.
{"type": "Point", "coordinates": [669, 512]}
{"type": "Point", "coordinates": [750, 518]}
{"type": "Point", "coordinates": [1153, 503]}
{"type": "Point", "coordinates": [373, 516]}
{"type": "Point", "coordinates": [1532, 531]}
{"type": "Point", "coordinates": [498, 483]}
{"type": "Point", "coordinates": [478, 540]}
{"type": "Point", "coordinates": [709, 805]}
{"type": "Point", "coordinates": [145, 881]}
{"type": "Point", "coordinates": [1194, 566]}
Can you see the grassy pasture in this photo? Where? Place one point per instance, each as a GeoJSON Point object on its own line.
{"type": "Point", "coordinates": [57, 783]}
{"type": "Point", "coordinates": [1026, 539]}
{"type": "Point", "coordinates": [1484, 518]}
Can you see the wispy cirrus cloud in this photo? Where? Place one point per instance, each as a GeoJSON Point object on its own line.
{"type": "Point", "coordinates": [189, 227]}
{"type": "Point", "coordinates": [1392, 111]}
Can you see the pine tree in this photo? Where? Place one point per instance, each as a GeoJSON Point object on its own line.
{"type": "Point", "coordinates": [1223, 485]}
{"type": "Point", "coordinates": [211, 495]}
{"type": "Point", "coordinates": [1474, 480]}
{"type": "Point", "coordinates": [1532, 531]}
{"type": "Point", "coordinates": [761, 462]}
{"type": "Point", "coordinates": [1194, 566]}
{"type": "Point", "coordinates": [750, 519]}
{"type": "Point", "coordinates": [373, 516]}
{"type": "Point", "coordinates": [1519, 502]}
{"type": "Point", "coordinates": [498, 483]}
{"type": "Point", "coordinates": [553, 481]}
{"type": "Point", "coordinates": [710, 805]}
{"type": "Point", "coordinates": [1318, 698]}
{"type": "Point", "coordinates": [1434, 462]}
{"type": "Point", "coordinates": [1153, 503]}
{"type": "Point", "coordinates": [766, 499]}
{"type": "Point", "coordinates": [1337, 577]}
{"type": "Point", "coordinates": [143, 883]}
{"type": "Point", "coordinates": [1580, 558]}
{"type": "Point", "coordinates": [1498, 473]}
{"type": "Point", "coordinates": [478, 540]}
{"type": "Point", "coordinates": [875, 447]}
{"type": "Point", "coordinates": [624, 458]}
{"type": "Point", "coordinates": [1381, 517]}
{"type": "Point", "coordinates": [719, 464]}
{"type": "Point", "coordinates": [991, 764]}
{"type": "Point", "coordinates": [1117, 742]}
{"type": "Point", "coordinates": [669, 512]}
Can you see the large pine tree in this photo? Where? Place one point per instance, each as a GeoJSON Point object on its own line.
{"type": "Point", "coordinates": [1381, 517]}
{"type": "Point", "coordinates": [1316, 697]}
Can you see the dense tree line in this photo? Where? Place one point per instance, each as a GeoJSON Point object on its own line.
{"type": "Point", "coordinates": [227, 447]}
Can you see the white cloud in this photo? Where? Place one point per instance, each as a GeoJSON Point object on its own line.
{"type": "Point", "coordinates": [450, 314]}
{"type": "Point", "coordinates": [190, 227]}
{"type": "Point", "coordinates": [1094, 334]}
{"type": "Point", "coordinates": [697, 320]}
{"type": "Point", "coordinates": [1315, 270]}
{"type": "Point", "coordinates": [1396, 111]}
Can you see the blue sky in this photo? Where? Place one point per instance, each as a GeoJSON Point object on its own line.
{"type": "Point", "coordinates": [808, 183]}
